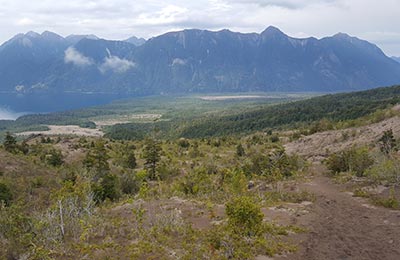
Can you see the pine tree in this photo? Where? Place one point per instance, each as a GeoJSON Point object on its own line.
{"type": "Point", "coordinates": [130, 159]}
{"type": "Point", "coordinates": [152, 155]}
{"type": "Point", "coordinates": [97, 159]}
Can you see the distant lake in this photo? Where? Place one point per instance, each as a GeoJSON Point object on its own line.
{"type": "Point", "coordinates": [13, 105]}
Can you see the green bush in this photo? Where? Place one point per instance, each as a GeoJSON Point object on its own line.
{"type": "Point", "coordinates": [184, 143]}
{"type": "Point", "coordinates": [106, 188]}
{"type": "Point", "coordinates": [110, 187]}
{"type": "Point", "coordinates": [240, 150]}
{"type": "Point", "coordinates": [337, 163]}
{"type": "Point", "coordinates": [54, 158]}
{"type": "Point", "coordinates": [391, 202]}
{"type": "Point", "coordinates": [10, 143]}
{"type": "Point", "coordinates": [5, 194]}
{"type": "Point", "coordinates": [356, 160]}
{"type": "Point", "coordinates": [129, 184]}
{"type": "Point", "coordinates": [385, 171]}
{"type": "Point", "coordinates": [244, 216]}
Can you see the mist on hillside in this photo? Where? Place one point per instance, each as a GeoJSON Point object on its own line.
{"type": "Point", "coordinates": [6, 114]}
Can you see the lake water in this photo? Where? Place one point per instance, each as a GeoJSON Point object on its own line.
{"type": "Point", "coordinates": [13, 105]}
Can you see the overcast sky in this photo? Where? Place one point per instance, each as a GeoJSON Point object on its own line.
{"type": "Point", "coordinates": [377, 21]}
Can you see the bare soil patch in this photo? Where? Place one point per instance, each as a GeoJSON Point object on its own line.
{"type": "Point", "coordinates": [320, 145]}
{"type": "Point", "coordinates": [221, 98]}
{"type": "Point", "coordinates": [126, 119]}
{"type": "Point", "coordinates": [65, 130]}
{"type": "Point", "coordinates": [342, 227]}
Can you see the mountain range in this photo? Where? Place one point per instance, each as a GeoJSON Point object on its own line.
{"type": "Point", "coordinates": [396, 58]}
{"type": "Point", "coordinates": [192, 61]}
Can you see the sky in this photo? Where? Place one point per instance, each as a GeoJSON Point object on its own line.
{"type": "Point", "coordinates": [372, 20]}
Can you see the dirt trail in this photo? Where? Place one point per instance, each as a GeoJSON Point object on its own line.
{"type": "Point", "coordinates": [344, 227]}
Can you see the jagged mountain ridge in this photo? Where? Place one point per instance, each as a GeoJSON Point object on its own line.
{"type": "Point", "coordinates": [136, 41]}
{"type": "Point", "coordinates": [193, 61]}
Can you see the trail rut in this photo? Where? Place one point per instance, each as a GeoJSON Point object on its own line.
{"type": "Point", "coordinates": [341, 226]}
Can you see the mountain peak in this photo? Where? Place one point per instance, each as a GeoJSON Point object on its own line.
{"type": "Point", "coordinates": [272, 30]}
{"type": "Point", "coordinates": [136, 41]}
{"type": "Point", "coordinates": [341, 35]}
{"type": "Point", "coordinates": [74, 38]}
{"type": "Point", "coordinates": [51, 35]}
{"type": "Point", "coordinates": [32, 34]}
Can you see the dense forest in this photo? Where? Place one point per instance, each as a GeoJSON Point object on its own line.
{"type": "Point", "coordinates": [334, 108]}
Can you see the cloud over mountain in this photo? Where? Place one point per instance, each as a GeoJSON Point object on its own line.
{"type": "Point", "coordinates": [116, 64]}
{"type": "Point", "coordinates": [76, 58]}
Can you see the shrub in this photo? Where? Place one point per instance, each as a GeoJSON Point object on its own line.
{"type": "Point", "coordinates": [244, 216]}
{"type": "Point", "coordinates": [184, 143]}
{"type": "Point", "coordinates": [5, 194]}
{"type": "Point", "coordinates": [387, 170]}
{"type": "Point", "coordinates": [107, 188]}
{"type": "Point", "coordinates": [355, 160]}
{"type": "Point", "coordinates": [240, 150]}
{"type": "Point", "coordinates": [10, 143]}
{"type": "Point", "coordinates": [337, 163]}
{"type": "Point", "coordinates": [274, 139]}
{"type": "Point", "coordinates": [196, 182]}
{"type": "Point", "coordinates": [387, 142]}
{"type": "Point", "coordinates": [110, 187]}
{"type": "Point", "coordinates": [129, 184]}
{"type": "Point", "coordinates": [391, 202]}
{"type": "Point", "coordinates": [54, 158]}
{"type": "Point", "coordinates": [97, 159]}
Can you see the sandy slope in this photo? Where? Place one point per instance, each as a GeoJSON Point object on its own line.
{"type": "Point", "coordinates": [66, 130]}
{"type": "Point", "coordinates": [321, 144]}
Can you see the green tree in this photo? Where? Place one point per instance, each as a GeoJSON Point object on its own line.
{"type": "Point", "coordinates": [97, 159]}
{"type": "Point", "coordinates": [10, 143]}
{"type": "Point", "coordinates": [130, 159]}
{"type": "Point", "coordinates": [387, 142]}
{"type": "Point", "coordinates": [110, 187]}
{"type": "Point", "coordinates": [152, 155]}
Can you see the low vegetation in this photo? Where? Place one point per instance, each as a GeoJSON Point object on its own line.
{"type": "Point", "coordinates": [130, 199]}
{"type": "Point", "coordinates": [377, 165]}
{"type": "Point", "coordinates": [192, 184]}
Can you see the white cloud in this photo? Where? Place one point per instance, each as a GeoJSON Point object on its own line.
{"type": "Point", "coordinates": [75, 57]}
{"type": "Point", "coordinates": [25, 21]}
{"type": "Point", "coordinates": [19, 88]}
{"type": "Point", "coordinates": [167, 15]}
{"type": "Point", "coordinates": [120, 19]}
{"type": "Point", "coordinates": [178, 61]}
{"type": "Point", "coordinates": [116, 64]}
